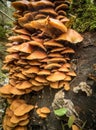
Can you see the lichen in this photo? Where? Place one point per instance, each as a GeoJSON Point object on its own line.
{"type": "Point", "coordinates": [83, 86]}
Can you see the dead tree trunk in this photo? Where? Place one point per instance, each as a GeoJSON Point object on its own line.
{"type": "Point", "coordinates": [83, 96]}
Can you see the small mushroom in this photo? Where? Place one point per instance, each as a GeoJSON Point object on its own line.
{"type": "Point", "coordinates": [43, 112]}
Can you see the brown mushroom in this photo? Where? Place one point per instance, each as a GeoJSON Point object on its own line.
{"type": "Point", "coordinates": [23, 85]}
{"type": "Point", "coordinates": [38, 44]}
{"type": "Point", "coordinates": [21, 31]}
{"type": "Point", "coordinates": [52, 65]}
{"type": "Point", "coordinates": [48, 11]}
{"type": "Point", "coordinates": [23, 109]}
{"type": "Point", "coordinates": [20, 128]}
{"type": "Point", "coordinates": [24, 122]}
{"type": "Point", "coordinates": [43, 112]}
{"type": "Point", "coordinates": [52, 43]}
{"type": "Point", "coordinates": [19, 38]}
{"type": "Point", "coordinates": [44, 72]}
{"type": "Point", "coordinates": [56, 76]}
{"type": "Point", "coordinates": [37, 55]}
{"type": "Point", "coordinates": [71, 36]}
{"type": "Point", "coordinates": [20, 5]}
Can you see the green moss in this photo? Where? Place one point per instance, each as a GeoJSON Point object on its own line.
{"type": "Point", "coordinates": [85, 12]}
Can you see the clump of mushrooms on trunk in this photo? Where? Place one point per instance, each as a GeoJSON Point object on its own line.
{"type": "Point", "coordinates": [38, 56]}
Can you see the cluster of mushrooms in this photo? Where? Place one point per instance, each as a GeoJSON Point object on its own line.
{"type": "Point", "coordinates": [38, 55]}
{"type": "Point", "coordinates": [17, 116]}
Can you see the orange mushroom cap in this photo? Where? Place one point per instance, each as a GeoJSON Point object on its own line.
{"type": "Point", "coordinates": [71, 36]}
{"type": "Point", "coordinates": [23, 109]}
{"type": "Point", "coordinates": [37, 55]}
{"type": "Point", "coordinates": [56, 76]}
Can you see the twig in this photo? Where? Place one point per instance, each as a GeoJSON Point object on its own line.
{"type": "Point", "coordinates": [6, 15]}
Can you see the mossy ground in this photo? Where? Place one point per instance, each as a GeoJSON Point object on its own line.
{"type": "Point", "coordinates": [84, 13]}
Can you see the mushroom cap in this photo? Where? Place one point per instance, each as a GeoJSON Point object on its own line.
{"type": "Point", "coordinates": [63, 69]}
{"type": "Point", "coordinates": [16, 103]}
{"type": "Point", "coordinates": [56, 76]}
{"type": "Point", "coordinates": [35, 83]}
{"type": "Point", "coordinates": [54, 85]}
{"type": "Point", "coordinates": [8, 123]}
{"type": "Point", "coordinates": [68, 50]}
{"type": "Point", "coordinates": [42, 115]}
{"type": "Point", "coordinates": [25, 19]}
{"type": "Point", "coordinates": [54, 55]}
{"type": "Point", "coordinates": [24, 122]}
{"type": "Point", "coordinates": [61, 7]}
{"type": "Point", "coordinates": [16, 119]}
{"type": "Point", "coordinates": [16, 91]}
{"type": "Point", "coordinates": [71, 36]}
{"type": "Point", "coordinates": [20, 5]}
{"type": "Point", "coordinates": [66, 86]}
{"type": "Point", "coordinates": [67, 78]}
{"type": "Point", "coordinates": [52, 43]}
{"type": "Point", "coordinates": [42, 4]}
{"type": "Point", "coordinates": [20, 76]}
{"type": "Point", "coordinates": [34, 63]}
{"type": "Point", "coordinates": [25, 47]}
{"type": "Point", "coordinates": [21, 31]}
{"type": "Point", "coordinates": [71, 73]}
{"type": "Point", "coordinates": [38, 44]}
{"type": "Point", "coordinates": [52, 65]}
{"type": "Point", "coordinates": [50, 24]}
{"type": "Point", "coordinates": [57, 59]}
{"type": "Point", "coordinates": [44, 72]}
{"type": "Point", "coordinates": [19, 38]}
{"type": "Point", "coordinates": [36, 24]}
{"type": "Point", "coordinates": [57, 24]}
{"type": "Point", "coordinates": [23, 109]}
{"type": "Point", "coordinates": [41, 79]}
{"type": "Point", "coordinates": [5, 89]}
{"type": "Point", "coordinates": [58, 49]}
{"type": "Point", "coordinates": [37, 88]}
{"type": "Point", "coordinates": [48, 11]}
{"type": "Point", "coordinates": [11, 57]}
{"type": "Point", "coordinates": [45, 110]}
{"type": "Point", "coordinates": [37, 55]}
{"type": "Point", "coordinates": [20, 128]}
{"type": "Point", "coordinates": [31, 70]}
{"type": "Point", "coordinates": [9, 112]}
{"type": "Point", "coordinates": [23, 85]}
